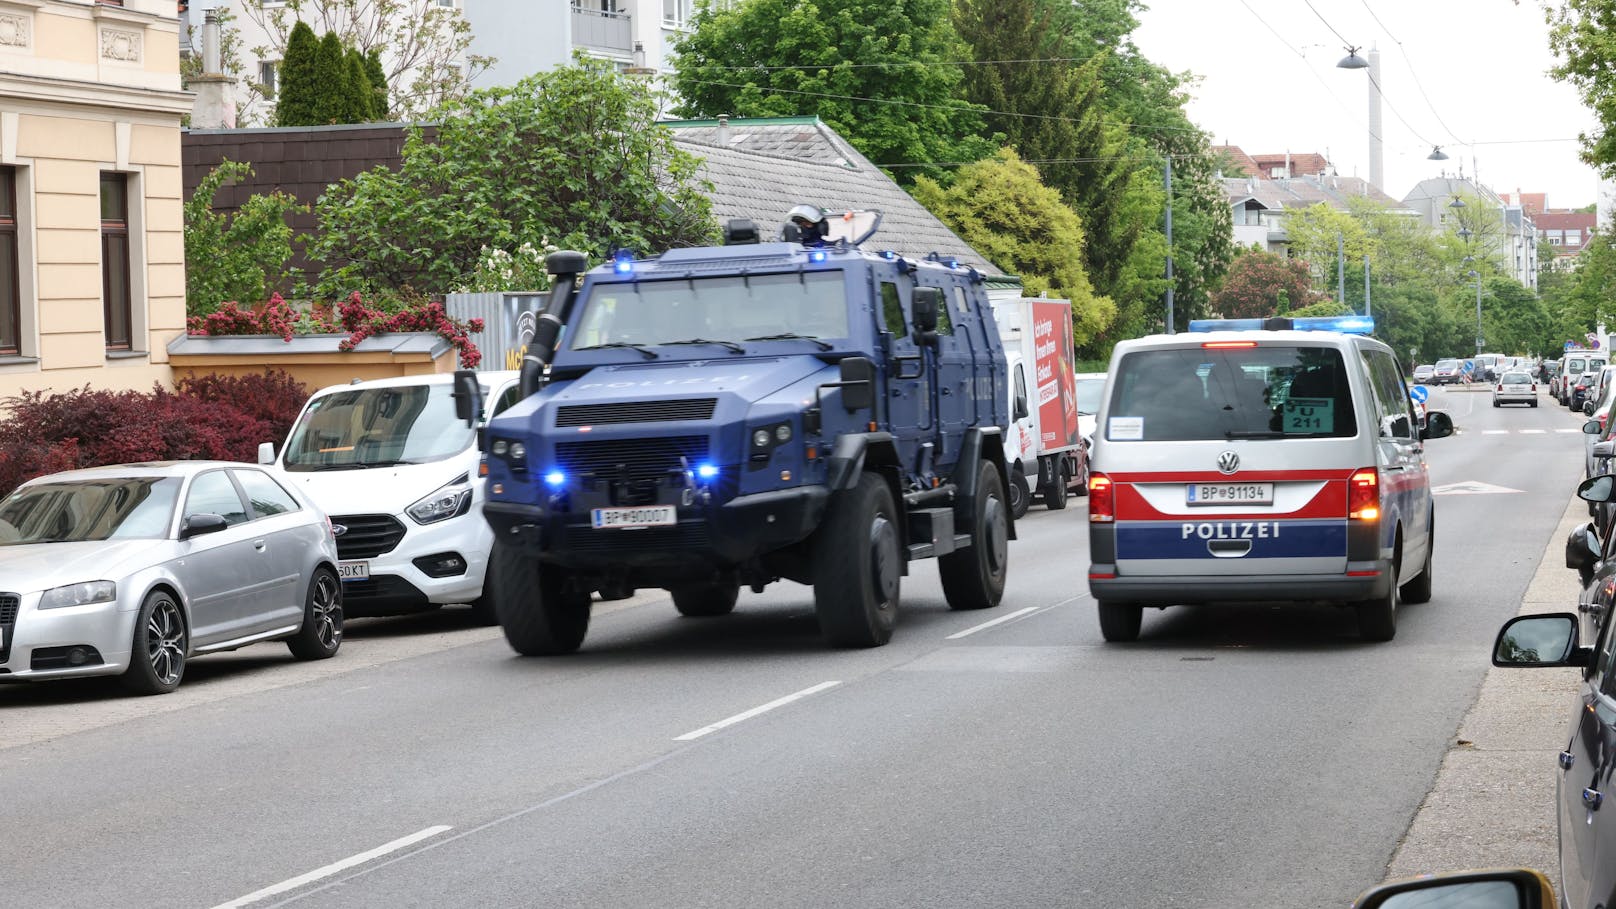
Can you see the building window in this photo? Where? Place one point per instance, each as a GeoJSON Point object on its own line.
{"type": "Point", "coordinates": [116, 303]}
{"type": "Point", "coordinates": [267, 69]}
{"type": "Point", "coordinates": [444, 4]}
{"type": "Point", "coordinates": [10, 294]}
{"type": "Point", "coordinates": [675, 13]}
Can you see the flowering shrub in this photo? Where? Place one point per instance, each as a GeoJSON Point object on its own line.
{"type": "Point", "coordinates": [212, 417]}
{"type": "Point", "coordinates": [498, 270]}
{"type": "Point", "coordinates": [353, 315]}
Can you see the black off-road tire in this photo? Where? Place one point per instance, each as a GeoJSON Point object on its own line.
{"type": "Point", "coordinates": [482, 609]}
{"type": "Point", "coordinates": [539, 612]}
{"type": "Point", "coordinates": [160, 646]}
{"type": "Point", "coordinates": [321, 633]}
{"type": "Point", "coordinates": [858, 565]}
{"type": "Point", "coordinates": [1020, 499]}
{"type": "Point", "coordinates": [705, 600]}
{"type": "Point", "coordinates": [974, 578]}
{"type": "Point", "coordinates": [1120, 622]}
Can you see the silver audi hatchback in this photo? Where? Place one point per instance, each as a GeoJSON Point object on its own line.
{"type": "Point", "coordinates": [132, 570]}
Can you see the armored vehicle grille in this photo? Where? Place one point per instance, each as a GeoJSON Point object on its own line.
{"type": "Point", "coordinates": [636, 412]}
{"type": "Point", "coordinates": [632, 458]}
{"type": "Point", "coordinates": [367, 535]}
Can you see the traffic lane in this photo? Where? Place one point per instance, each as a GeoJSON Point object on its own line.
{"type": "Point", "coordinates": [1063, 788]}
{"type": "Point", "coordinates": [333, 766]}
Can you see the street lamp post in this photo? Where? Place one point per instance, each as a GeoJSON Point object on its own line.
{"type": "Point", "coordinates": [1465, 234]}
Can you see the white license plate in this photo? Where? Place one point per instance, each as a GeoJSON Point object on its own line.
{"type": "Point", "coordinates": [649, 516]}
{"type": "Point", "coordinates": [1229, 494]}
{"type": "Point", "coordinates": [353, 571]}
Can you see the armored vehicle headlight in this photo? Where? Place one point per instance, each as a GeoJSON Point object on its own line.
{"type": "Point", "coordinates": [782, 433]}
{"type": "Point", "coordinates": [760, 438]}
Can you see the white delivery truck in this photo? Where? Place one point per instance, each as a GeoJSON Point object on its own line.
{"type": "Point", "coordinates": [1044, 445]}
{"type": "Point", "coordinates": [399, 476]}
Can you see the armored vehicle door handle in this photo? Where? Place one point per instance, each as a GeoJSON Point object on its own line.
{"type": "Point", "coordinates": [1567, 760]}
{"type": "Point", "coordinates": [1592, 799]}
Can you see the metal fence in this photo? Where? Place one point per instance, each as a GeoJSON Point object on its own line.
{"type": "Point", "coordinates": [507, 324]}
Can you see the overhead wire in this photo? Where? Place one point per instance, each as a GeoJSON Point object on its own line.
{"type": "Point", "coordinates": [1328, 90]}
{"type": "Point", "coordinates": [1412, 74]}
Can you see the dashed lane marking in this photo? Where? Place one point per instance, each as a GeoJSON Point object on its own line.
{"type": "Point", "coordinates": [334, 867]}
{"type": "Point", "coordinates": [755, 711]}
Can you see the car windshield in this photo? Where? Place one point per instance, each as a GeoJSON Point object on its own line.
{"type": "Point", "coordinates": [1187, 394]}
{"type": "Point", "coordinates": [1088, 395]}
{"type": "Point", "coordinates": [99, 509]}
{"type": "Point", "coordinates": [1447, 364]}
{"type": "Point", "coordinates": [729, 308]}
{"type": "Point", "coordinates": [378, 427]}
{"type": "Point", "coordinates": [1516, 378]}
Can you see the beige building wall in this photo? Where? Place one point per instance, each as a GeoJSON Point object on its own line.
{"type": "Point", "coordinates": [88, 88]}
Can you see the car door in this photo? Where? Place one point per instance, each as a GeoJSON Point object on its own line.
{"type": "Point", "coordinates": [952, 356]}
{"type": "Point", "coordinates": [908, 382]}
{"type": "Point", "coordinates": [1587, 791]}
{"type": "Point", "coordinates": [224, 572]}
{"type": "Point", "coordinates": [291, 537]}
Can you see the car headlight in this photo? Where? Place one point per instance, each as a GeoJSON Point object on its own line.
{"type": "Point", "coordinates": [79, 594]}
{"type": "Point", "coordinates": [451, 501]}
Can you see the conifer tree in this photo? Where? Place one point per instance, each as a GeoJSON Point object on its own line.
{"type": "Point", "coordinates": [295, 106]}
{"type": "Point", "coordinates": [360, 96]}
{"type": "Point", "coordinates": [331, 73]}
{"type": "Point", "coordinates": [378, 85]}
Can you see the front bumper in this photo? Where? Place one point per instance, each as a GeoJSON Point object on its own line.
{"type": "Point", "coordinates": [397, 585]}
{"type": "Point", "coordinates": [1188, 590]}
{"type": "Point", "coordinates": [707, 536]}
{"type": "Point", "coordinates": [107, 627]}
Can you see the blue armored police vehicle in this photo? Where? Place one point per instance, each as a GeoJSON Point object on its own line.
{"type": "Point", "coordinates": [730, 416]}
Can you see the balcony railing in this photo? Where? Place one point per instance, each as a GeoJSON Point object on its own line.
{"type": "Point", "coordinates": [607, 32]}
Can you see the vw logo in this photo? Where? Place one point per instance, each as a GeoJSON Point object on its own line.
{"type": "Point", "coordinates": [338, 530]}
{"type": "Point", "coordinates": [1228, 462]}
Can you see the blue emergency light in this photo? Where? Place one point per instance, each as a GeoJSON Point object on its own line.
{"type": "Point", "coordinates": [816, 255]}
{"type": "Point", "coordinates": [623, 262]}
{"type": "Point", "coordinates": [1350, 325]}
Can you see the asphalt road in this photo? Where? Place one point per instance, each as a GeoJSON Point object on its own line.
{"type": "Point", "coordinates": [1239, 756]}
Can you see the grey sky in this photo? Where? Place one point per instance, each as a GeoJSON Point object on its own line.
{"type": "Point", "coordinates": [1273, 87]}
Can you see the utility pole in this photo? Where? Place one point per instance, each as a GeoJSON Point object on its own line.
{"type": "Point", "coordinates": [1340, 268]}
{"type": "Point", "coordinates": [1366, 311]}
{"type": "Point", "coordinates": [1169, 182]}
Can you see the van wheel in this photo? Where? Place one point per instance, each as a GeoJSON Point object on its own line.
{"type": "Point", "coordinates": [1055, 490]}
{"type": "Point", "coordinates": [974, 578]}
{"type": "Point", "coordinates": [1377, 618]}
{"type": "Point", "coordinates": [1119, 622]}
{"type": "Point", "coordinates": [857, 564]}
{"type": "Point", "coordinates": [704, 600]}
{"type": "Point", "coordinates": [539, 611]}
{"type": "Point", "coordinates": [1020, 501]}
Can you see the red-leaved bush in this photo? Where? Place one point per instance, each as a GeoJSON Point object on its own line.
{"type": "Point", "coordinates": [353, 315]}
{"type": "Point", "coordinates": [207, 417]}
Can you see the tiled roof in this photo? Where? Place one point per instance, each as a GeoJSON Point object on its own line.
{"type": "Point", "coordinates": [764, 168]}
{"type": "Point", "coordinates": [1301, 192]}
{"type": "Point", "coordinates": [1239, 158]}
{"type": "Point", "coordinates": [1301, 163]}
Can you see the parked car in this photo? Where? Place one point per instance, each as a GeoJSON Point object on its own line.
{"type": "Point", "coordinates": [134, 569]}
{"type": "Point", "coordinates": [1582, 388]}
{"type": "Point", "coordinates": [1587, 766]}
{"type": "Point", "coordinates": [1424, 372]}
{"type": "Point", "coordinates": [1515, 387]}
{"type": "Point", "coordinates": [1487, 367]}
{"type": "Point", "coordinates": [1448, 372]}
{"type": "Point", "coordinates": [1090, 386]}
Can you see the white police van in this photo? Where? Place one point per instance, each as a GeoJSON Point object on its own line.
{"type": "Point", "coordinates": [1260, 460]}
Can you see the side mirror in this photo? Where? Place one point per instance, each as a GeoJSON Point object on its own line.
{"type": "Point", "coordinates": [857, 383]}
{"type": "Point", "coordinates": [923, 310]}
{"type": "Point", "coordinates": [468, 396]}
{"type": "Point", "coordinates": [1547, 639]}
{"type": "Point", "coordinates": [1597, 489]}
{"type": "Point", "coordinates": [266, 452]}
{"type": "Point", "coordinates": [1501, 888]}
{"type": "Point", "coordinates": [1438, 425]}
{"type": "Point", "coordinates": [1588, 408]}
{"type": "Point", "coordinates": [199, 524]}
{"type": "Point", "coordinates": [1020, 411]}
{"type": "Point", "coordinates": [1582, 551]}
{"type": "Point", "coordinates": [1591, 428]}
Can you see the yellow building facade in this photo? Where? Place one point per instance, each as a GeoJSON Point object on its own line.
{"type": "Point", "coordinates": [92, 251]}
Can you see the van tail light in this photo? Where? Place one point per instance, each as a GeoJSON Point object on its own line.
{"type": "Point", "coordinates": [1102, 499]}
{"type": "Point", "coordinates": [1363, 495]}
{"type": "Point", "coordinates": [1500, 386]}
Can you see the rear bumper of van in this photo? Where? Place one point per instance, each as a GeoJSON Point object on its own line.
{"type": "Point", "coordinates": [1362, 581]}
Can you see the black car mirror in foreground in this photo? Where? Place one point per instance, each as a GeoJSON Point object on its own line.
{"type": "Point", "coordinates": [1582, 551]}
{"type": "Point", "coordinates": [1502, 888]}
{"type": "Point", "coordinates": [1438, 425]}
{"type": "Point", "coordinates": [1546, 639]}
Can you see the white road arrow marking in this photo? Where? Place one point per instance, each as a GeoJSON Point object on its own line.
{"type": "Point", "coordinates": [1470, 488]}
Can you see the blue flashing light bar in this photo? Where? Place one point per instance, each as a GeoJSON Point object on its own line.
{"type": "Point", "coordinates": [623, 262]}
{"type": "Point", "coordinates": [1351, 325]}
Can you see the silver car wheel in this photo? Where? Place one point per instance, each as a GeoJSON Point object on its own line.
{"type": "Point", "coordinates": [326, 611]}
{"type": "Point", "coordinates": [165, 641]}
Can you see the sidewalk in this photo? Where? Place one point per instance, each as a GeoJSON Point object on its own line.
{"type": "Point", "coordinates": [1493, 803]}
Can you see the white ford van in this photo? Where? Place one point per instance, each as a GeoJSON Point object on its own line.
{"type": "Point", "coordinates": [1252, 460]}
{"type": "Point", "coordinates": [398, 474]}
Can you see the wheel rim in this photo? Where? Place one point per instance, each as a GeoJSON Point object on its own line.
{"type": "Point", "coordinates": [998, 534]}
{"type": "Point", "coordinates": [883, 560]}
{"type": "Point", "coordinates": [165, 641]}
{"type": "Point", "coordinates": [1017, 493]}
{"type": "Point", "coordinates": [325, 611]}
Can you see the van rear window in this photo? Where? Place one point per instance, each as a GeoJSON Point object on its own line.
{"type": "Point", "coordinates": [1200, 394]}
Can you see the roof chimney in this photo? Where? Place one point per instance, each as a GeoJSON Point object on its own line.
{"type": "Point", "coordinates": [211, 57]}
{"type": "Point", "coordinates": [723, 129]}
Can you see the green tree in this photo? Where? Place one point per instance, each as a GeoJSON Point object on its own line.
{"type": "Point", "coordinates": [573, 154]}
{"type": "Point", "coordinates": [331, 88]}
{"type": "Point", "coordinates": [239, 257]}
{"type": "Point", "coordinates": [1580, 37]}
{"type": "Point", "coordinates": [377, 77]}
{"type": "Point", "coordinates": [361, 97]}
{"type": "Point", "coordinates": [1002, 208]}
{"type": "Point", "coordinates": [871, 69]}
{"type": "Point", "coordinates": [1262, 284]}
{"type": "Point", "coordinates": [298, 78]}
